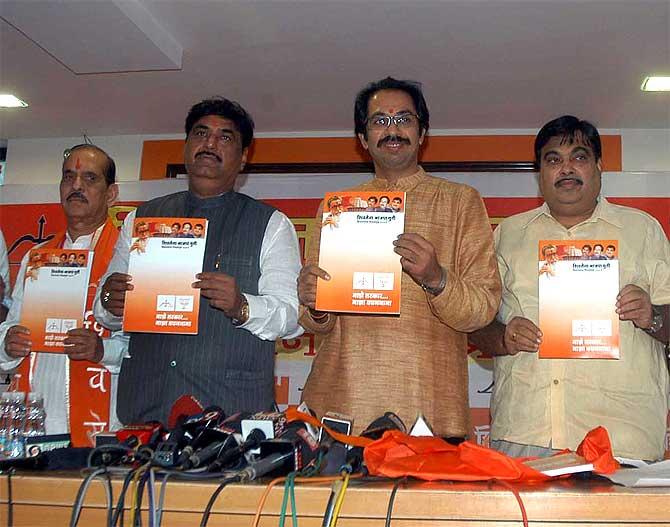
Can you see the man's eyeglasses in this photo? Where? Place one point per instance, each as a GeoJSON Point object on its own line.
{"type": "Point", "coordinates": [401, 120]}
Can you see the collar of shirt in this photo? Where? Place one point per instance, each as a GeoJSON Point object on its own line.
{"type": "Point", "coordinates": [85, 241]}
{"type": "Point", "coordinates": [403, 184]}
{"type": "Point", "coordinates": [603, 211]}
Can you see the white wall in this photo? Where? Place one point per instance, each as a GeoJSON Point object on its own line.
{"type": "Point", "coordinates": [645, 150]}
{"type": "Point", "coordinates": [39, 160]}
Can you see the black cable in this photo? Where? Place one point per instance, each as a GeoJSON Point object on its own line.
{"type": "Point", "coordinates": [330, 508]}
{"type": "Point", "coordinates": [212, 500]}
{"type": "Point", "coordinates": [138, 501]}
{"type": "Point", "coordinates": [194, 475]}
{"type": "Point", "coordinates": [118, 513]}
{"type": "Point", "coordinates": [389, 511]}
{"type": "Point", "coordinates": [10, 500]}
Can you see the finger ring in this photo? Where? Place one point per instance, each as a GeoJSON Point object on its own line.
{"type": "Point", "coordinates": [514, 337]}
{"type": "Point", "coordinates": [106, 296]}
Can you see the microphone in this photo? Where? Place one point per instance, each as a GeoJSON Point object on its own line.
{"type": "Point", "coordinates": [225, 458]}
{"type": "Point", "coordinates": [167, 451]}
{"type": "Point", "coordinates": [127, 440]}
{"type": "Point", "coordinates": [272, 423]}
{"type": "Point", "coordinates": [204, 455]}
{"type": "Point", "coordinates": [375, 430]}
{"type": "Point", "coordinates": [184, 406]}
{"type": "Point", "coordinates": [293, 450]}
{"type": "Point", "coordinates": [202, 431]}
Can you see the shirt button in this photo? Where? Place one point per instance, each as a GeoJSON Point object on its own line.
{"type": "Point", "coordinates": [555, 380]}
{"type": "Point", "coordinates": [173, 363]}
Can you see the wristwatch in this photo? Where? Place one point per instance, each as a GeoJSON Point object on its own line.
{"type": "Point", "coordinates": [656, 321]}
{"type": "Point", "coordinates": [243, 314]}
{"type": "Point", "coordinates": [440, 287]}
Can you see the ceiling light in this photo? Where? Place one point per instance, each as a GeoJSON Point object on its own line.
{"type": "Point", "coordinates": [9, 101]}
{"type": "Point", "coordinates": [656, 84]}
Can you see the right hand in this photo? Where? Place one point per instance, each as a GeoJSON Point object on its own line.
{"type": "Point", "coordinates": [113, 292]}
{"type": "Point", "coordinates": [521, 335]}
{"type": "Point", "coordinates": [307, 284]}
{"type": "Point", "coordinates": [17, 342]}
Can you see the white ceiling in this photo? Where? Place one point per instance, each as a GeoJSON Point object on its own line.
{"type": "Point", "coordinates": [297, 65]}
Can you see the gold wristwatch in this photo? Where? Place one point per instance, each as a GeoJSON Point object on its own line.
{"type": "Point", "coordinates": [243, 313]}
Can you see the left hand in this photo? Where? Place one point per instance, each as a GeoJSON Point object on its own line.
{"type": "Point", "coordinates": [222, 291]}
{"type": "Point", "coordinates": [84, 344]}
{"type": "Point", "coordinates": [634, 304]}
{"type": "Point", "coordinates": [418, 259]}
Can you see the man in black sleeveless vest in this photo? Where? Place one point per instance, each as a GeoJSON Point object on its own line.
{"type": "Point", "coordinates": [248, 283]}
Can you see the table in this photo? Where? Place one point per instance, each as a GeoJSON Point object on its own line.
{"type": "Point", "coordinates": [45, 500]}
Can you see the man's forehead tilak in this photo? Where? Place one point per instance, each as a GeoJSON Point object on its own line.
{"type": "Point", "coordinates": [77, 164]}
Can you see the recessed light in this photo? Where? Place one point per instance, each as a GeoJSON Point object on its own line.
{"type": "Point", "coordinates": [10, 101]}
{"type": "Point", "coordinates": [656, 84]}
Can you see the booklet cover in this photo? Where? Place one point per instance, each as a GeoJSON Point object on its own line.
{"type": "Point", "coordinates": [165, 256]}
{"type": "Point", "coordinates": [357, 234]}
{"type": "Point", "coordinates": [578, 286]}
{"type": "Point", "coordinates": [54, 295]}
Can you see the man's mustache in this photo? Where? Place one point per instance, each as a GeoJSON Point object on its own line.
{"type": "Point", "coordinates": [568, 178]}
{"type": "Point", "coordinates": [210, 153]}
{"type": "Point", "coordinates": [392, 139]}
{"type": "Point", "coordinates": [77, 195]}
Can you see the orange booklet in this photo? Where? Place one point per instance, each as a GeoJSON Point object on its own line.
{"type": "Point", "coordinates": [165, 256]}
{"type": "Point", "coordinates": [54, 295]}
{"type": "Point", "coordinates": [357, 234]}
{"type": "Point", "coordinates": [578, 286]}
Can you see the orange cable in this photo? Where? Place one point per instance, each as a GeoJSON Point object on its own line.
{"type": "Point", "coordinates": [276, 481]}
{"type": "Point", "coordinates": [524, 516]}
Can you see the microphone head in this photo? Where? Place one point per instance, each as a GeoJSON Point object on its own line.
{"type": "Point", "coordinates": [185, 405]}
{"type": "Point", "coordinates": [388, 421]}
{"type": "Point", "coordinates": [255, 437]}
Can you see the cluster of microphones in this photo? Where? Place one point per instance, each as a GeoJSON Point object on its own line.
{"type": "Point", "coordinates": [208, 444]}
{"type": "Point", "coordinates": [253, 445]}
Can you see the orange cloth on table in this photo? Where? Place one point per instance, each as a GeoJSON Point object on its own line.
{"type": "Point", "coordinates": [88, 405]}
{"type": "Point", "coordinates": [430, 458]}
{"type": "Point", "coordinates": [596, 448]}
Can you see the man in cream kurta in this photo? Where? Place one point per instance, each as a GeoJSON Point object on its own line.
{"type": "Point", "coordinates": [416, 362]}
{"type": "Point", "coordinates": [541, 405]}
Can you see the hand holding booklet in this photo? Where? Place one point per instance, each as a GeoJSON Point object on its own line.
{"type": "Point", "coordinates": [357, 235]}
{"type": "Point", "coordinates": [165, 255]}
{"type": "Point", "coordinates": [54, 295]}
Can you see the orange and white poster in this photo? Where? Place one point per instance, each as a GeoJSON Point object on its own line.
{"type": "Point", "coordinates": [357, 234]}
{"type": "Point", "coordinates": [54, 298]}
{"type": "Point", "coordinates": [578, 286]}
{"type": "Point", "coordinates": [165, 256]}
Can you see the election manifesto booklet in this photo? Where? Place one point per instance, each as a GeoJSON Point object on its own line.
{"type": "Point", "coordinates": [165, 256]}
{"type": "Point", "coordinates": [54, 295]}
{"type": "Point", "coordinates": [578, 286]}
{"type": "Point", "coordinates": [357, 234]}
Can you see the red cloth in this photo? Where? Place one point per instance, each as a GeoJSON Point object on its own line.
{"type": "Point", "coordinates": [429, 458]}
{"type": "Point", "coordinates": [597, 449]}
